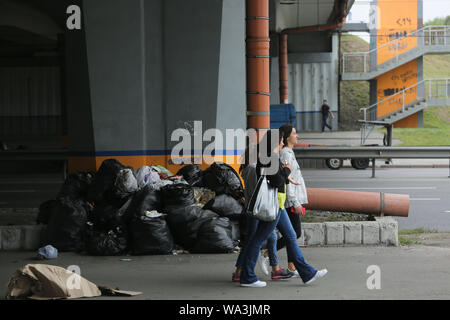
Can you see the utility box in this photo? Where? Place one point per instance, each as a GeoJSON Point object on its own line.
{"type": "Point", "coordinates": [281, 114]}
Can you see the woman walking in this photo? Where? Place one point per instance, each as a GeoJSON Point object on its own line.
{"type": "Point", "coordinates": [248, 173]}
{"type": "Point", "coordinates": [277, 180]}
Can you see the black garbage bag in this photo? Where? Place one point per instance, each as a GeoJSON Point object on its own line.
{"type": "Point", "coordinates": [222, 178]}
{"type": "Point", "coordinates": [76, 186]}
{"type": "Point", "coordinates": [150, 235]}
{"type": "Point", "coordinates": [104, 179]}
{"type": "Point", "coordinates": [225, 206]}
{"type": "Point", "coordinates": [108, 216]}
{"type": "Point", "coordinates": [45, 212]}
{"type": "Point", "coordinates": [235, 232]}
{"type": "Point", "coordinates": [105, 243]}
{"type": "Point", "coordinates": [184, 223]}
{"type": "Point", "coordinates": [177, 195]}
{"type": "Point", "coordinates": [214, 236]}
{"type": "Point", "coordinates": [66, 225]}
{"type": "Point", "coordinates": [191, 173]}
{"type": "Point", "coordinates": [147, 199]}
{"type": "Point", "coordinates": [125, 183]}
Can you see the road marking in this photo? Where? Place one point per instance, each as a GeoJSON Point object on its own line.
{"type": "Point", "coordinates": [447, 211]}
{"type": "Point", "coordinates": [12, 191]}
{"type": "Point", "coordinates": [425, 199]}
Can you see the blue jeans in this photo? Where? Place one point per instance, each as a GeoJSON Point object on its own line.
{"type": "Point", "coordinates": [252, 226]}
{"type": "Point", "coordinates": [253, 247]}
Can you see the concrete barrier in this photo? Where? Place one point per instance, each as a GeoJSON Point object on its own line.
{"type": "Point", "coordinates": [334, 233]}
{"type": "Point", "coordinates": [383, 231]}
{"type": "Point", "coordinates": [11, 238]}
{"type": "Point", "coordinates": [352, 233]}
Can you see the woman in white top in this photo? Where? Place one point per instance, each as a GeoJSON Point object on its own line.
{"type": "Point", "coordinates": [296, 194]}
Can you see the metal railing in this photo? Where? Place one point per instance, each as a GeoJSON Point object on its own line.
{"type": "Point", "coordinates": [359, 62]}
{"type": "Point", "coordinates": [432, 88]}
{"type": "Point", "coordinates": [373, 153]}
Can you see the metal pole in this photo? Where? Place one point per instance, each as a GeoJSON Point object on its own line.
{"type": "Point", "coordinates": [397, 51]}
{"type": "Point", "coordinates": [446, 88]}
{"type": "Point", "coordinates": [365, 56]}
{"type": "Point", "coordinates": [403, 107]}
{"type": "Point", "coordinates": [445, 36]}
{"type": "Point", "coordinates": [373, 167]}
{"type": "Point", "coordinates": [343, 63]}
{"type": "Point", "coordinates": [429, 89]}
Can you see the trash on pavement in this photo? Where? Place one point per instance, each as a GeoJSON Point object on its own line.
{"type": "Point", "coordinates": [48, 252]}
{"type": "Point", "coordinates": [47, 282]}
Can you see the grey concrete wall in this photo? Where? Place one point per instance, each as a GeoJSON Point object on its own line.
{"type": "Point", "coordinates": [114, 37]}
{"type": "Point", "coordinates": [192, 45]}
{"type": "Point", "coordinates": [312, 78]}
{"type": "Point", "coordinates": [156, 66]}
{"type": "Point", "coordinates": [231, 99]}
{"type": "Point", "coordinates": [78, 102]}
{"type": "Point", "coordinates": [316, 41]}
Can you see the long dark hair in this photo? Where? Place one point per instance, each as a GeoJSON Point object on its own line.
{"type": "Point", "coordinates": [285, 132]}
{"type": "Point", "coordinates": [269, 143]}
{"type": "Point", "coordinates": [265, 141]}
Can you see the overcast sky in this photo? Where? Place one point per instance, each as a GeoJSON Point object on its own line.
{"type": "Point", "coordinates": [431, 9]}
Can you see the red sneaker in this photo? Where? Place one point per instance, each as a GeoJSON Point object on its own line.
{"type": "Point", "coordinates": [282, 274]}
{"type": "Point", "coordinates": [236, 277]}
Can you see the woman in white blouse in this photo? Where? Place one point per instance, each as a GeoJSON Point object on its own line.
{"type": "Point", "coordinates": [296, 194]}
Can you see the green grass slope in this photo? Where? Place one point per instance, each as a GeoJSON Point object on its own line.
{"type": "Point", "coordinates": [355, 95]}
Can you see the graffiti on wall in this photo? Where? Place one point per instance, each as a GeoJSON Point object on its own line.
{"type": "Point", "coordinates": [397, 19]}
{"type": "Point", "coordinates": [394, 82]}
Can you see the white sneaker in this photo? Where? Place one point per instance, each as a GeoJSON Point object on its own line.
{"type": "Point", "coordinates": [264, 263]}
{"type": "Point", "coordinates": [295, 272]}
{"type": "Point", "coordinates": [256, 284]}
{"type": "Point", "coordinates": [319, 274]}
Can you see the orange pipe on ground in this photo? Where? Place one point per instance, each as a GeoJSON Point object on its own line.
{"type": "Point", "coordinates": [257, 56]}
{"type": "Point", "coordinates": [387, 204]}
{"type": "Point", "coordinates": [283, 68]}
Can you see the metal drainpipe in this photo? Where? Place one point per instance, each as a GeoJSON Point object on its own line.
{"type": "Point", "coordinates": [258, 116]}
{"type": "Point", "coordinates": [257, 57]}
{"type": "Point", "coordinates": [283, 68]}
{"type": "Point", "coordinates": [283, 53]}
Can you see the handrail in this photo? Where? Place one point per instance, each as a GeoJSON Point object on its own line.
{"type": "Point", "coordinates": [447, 82]}
{"type": "Point", "coordinates": [365, 54]}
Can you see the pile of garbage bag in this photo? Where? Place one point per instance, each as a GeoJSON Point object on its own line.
{"type": "Point", "coordinates": [119, 210]}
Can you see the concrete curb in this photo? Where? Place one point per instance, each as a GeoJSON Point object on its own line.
{"type": "Point", "coordinates": [383, 231]}
{"type": "Point", "coordinates": [26, 237]}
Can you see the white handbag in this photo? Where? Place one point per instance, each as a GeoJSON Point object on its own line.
{"type": "Point", "coordinates": [263, 204]}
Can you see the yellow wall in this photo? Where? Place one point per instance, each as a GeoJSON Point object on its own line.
{"type": "Point", "coordinates": [394, 81]}
{"type": "Point", "coordinates": [93, 163]}
{"type": "Point", "coordinates": [395, 18]}
{"type": "Point", "coordinates": [408, 122]}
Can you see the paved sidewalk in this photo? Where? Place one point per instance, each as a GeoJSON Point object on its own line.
{"type": "Point", "coordinates": [417, 272]}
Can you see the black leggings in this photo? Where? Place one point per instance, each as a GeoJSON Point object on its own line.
{"type": "Point", "coordinates": [296, 224]}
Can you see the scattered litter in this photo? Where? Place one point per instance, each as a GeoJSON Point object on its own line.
{"type": "Point", "coordinates": [48, 252]}
{"type": "Point", "coordinates": [153, 214]}
{"type": "Point", "coordinates": [48, 282]}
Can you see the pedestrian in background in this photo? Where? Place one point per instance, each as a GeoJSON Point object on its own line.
{"type": "Point", "coordinates": [326, 110]}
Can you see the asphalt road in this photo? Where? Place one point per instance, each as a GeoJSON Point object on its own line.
{"type": "Point", "coordinates": [428, 188]}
